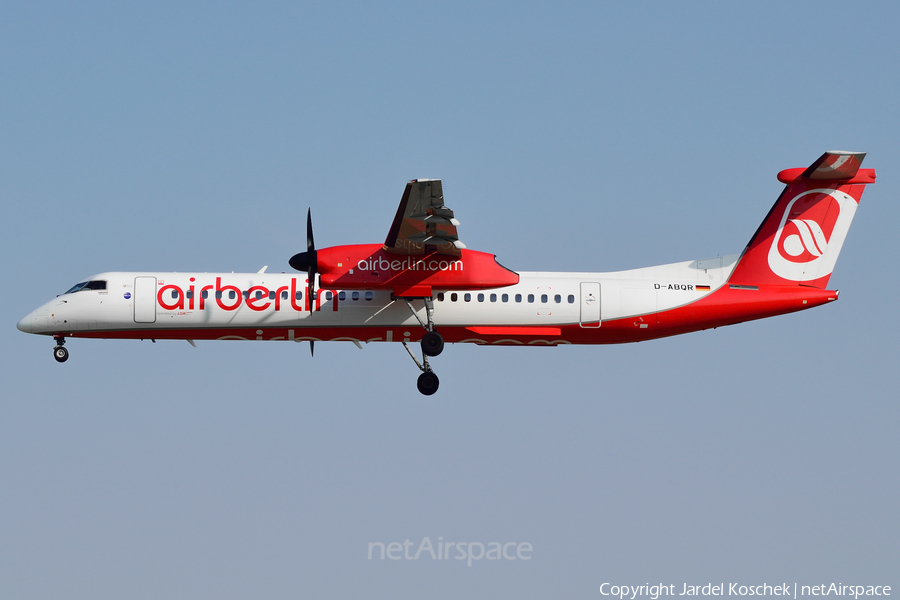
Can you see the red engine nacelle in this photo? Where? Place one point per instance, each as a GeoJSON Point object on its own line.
{"type": "Point", "coordinates": [369, 266]}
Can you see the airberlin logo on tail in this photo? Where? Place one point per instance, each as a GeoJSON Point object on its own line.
{"type": "Point", "coordinates": [811, 233]}
{"type": "Point", "coordinates": [809, 238]}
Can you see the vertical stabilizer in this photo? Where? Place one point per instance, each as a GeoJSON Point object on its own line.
{"type": "Point", "coordinates": [800, 239]}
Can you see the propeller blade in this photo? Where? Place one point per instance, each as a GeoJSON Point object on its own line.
{"type": "Point", "coordinates": [312, 348]}
{"type": "Point", "coordinates": [311, 269]}
{"type": "Point", "coordinates": [308, 261]}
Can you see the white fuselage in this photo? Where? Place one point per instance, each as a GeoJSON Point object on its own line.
{"type": "Point", "coordinates": [148, 304]}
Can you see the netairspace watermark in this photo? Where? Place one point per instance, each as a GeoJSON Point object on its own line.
{"type": "Point", "coordinates": [654, 592]}
{"type": "Point", "coordinates": [468, 551]}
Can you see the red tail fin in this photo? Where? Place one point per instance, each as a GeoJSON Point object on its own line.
{"type": "Point", "coordinates": [799, 241]}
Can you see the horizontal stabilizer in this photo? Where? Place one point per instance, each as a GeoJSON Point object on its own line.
{"type": "Point", "coordinates": [835, 165]}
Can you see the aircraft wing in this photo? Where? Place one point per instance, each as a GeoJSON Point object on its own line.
{"type": "Point", "coordinates": [423, 224]}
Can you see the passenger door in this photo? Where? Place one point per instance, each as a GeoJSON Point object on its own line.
{"type": "Point", "coordinates": [144, 299]}
{"type": "Point", "coordinates": [590, 304]}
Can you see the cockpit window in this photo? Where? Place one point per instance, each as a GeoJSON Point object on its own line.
{"type": "Point", "coordinates": [77, 287]}
{"type": "Point", "coordinates": [87, 285]}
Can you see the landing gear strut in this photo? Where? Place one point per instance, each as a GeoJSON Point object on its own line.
{"type": "Point", "coordinates": [432, 345]}
{"type": "Point", "coordinates": [60, 353]}
{"type": "Point", "coordinates": [432, 341]}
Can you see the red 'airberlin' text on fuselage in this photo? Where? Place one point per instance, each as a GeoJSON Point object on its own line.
{"type": "Point", "coordinates": [230, 297]}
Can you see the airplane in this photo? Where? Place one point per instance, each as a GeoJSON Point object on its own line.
{"type": "Point", "coordinates": [423, 285]}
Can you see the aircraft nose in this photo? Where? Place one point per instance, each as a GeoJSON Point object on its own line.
{"type": "Point", "coordinates": [24, 323]}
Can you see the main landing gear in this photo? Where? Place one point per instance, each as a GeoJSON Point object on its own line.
{"type": "Point", "coordinates": [432, 345]}
{"type": "Point", "coordinates": [428, 381]}
{"type": "Point", "coordinates": [59, 352]}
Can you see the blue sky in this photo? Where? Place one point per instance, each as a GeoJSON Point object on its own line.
{"type": "Point", "coordinates": [578, 136]}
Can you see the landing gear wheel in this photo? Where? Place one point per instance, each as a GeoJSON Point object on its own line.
{"type": "Point", "coordinates": [427, 383]}
{"type": "Point", "coordinates": [62, 355]}
{"type": "Point", "coordinates": [432, 343]}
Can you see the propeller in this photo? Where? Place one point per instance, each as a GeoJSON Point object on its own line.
{"type": "Point", "coordinates": [308, 261]}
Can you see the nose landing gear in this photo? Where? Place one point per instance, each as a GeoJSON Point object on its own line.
{"type": "Point", "coordinates": [59, 352]}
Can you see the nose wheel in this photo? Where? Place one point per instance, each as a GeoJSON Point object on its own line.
{"type": "Point", "coordinates": [59, 352]}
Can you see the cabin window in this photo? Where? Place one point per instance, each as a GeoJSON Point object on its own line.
{"type": "Point", "coordinates": [518, 297]}
{"type": "Point", "coordinates": [298, 296]}
{"type": "Point", "coordinates": [467, 297]}
{"type": "Point", "coordinates": [571, 298]}
{"type": "Point", "coordinates": [246, 294]}
{"type": "Point", "coordinates": [440, 297]}
{"type": "Point", "coordinates": [481, 297]}
{"type": "Point", "coordinates": [271, 295]}
{"type": "Point", "coordinates": [531, 297]}
{"type": "Point", "coordinates": [369, 296]}
{"type": "Point", "coordinates": [204, 294]}
{"type": "Point", "coordinates": [259, 295]}
{"type": "Point", "coordinates": [232, 295]}
{"type": "Point", "coordinates": [355, 296]}
{"type": "Point", "coordinates": [342, 296]}
{"type": "Point", "coordinates": [174, 294]}
{"type": "Point", "coordinates": [284, 295]}
{"type": "Point", "coordinates": [454, 297]}
{"type": "Point", "coordinates": [219, 294]}
{"type": "Point", "coordinates": [329, 295]}
{"type": "Point", "coordinates": [557, 298]}
{"type": "Point", "coordinates": [493, 297]}
{"type": "Point", "coordinates": [189, 294]}
{"type": "Point", "coordinates": [543, 298]}
{"type": "Point", "coordinates": [505, 297]}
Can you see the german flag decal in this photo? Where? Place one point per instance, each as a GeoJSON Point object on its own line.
{"type": "Point", "coordinates": [702, 288]}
